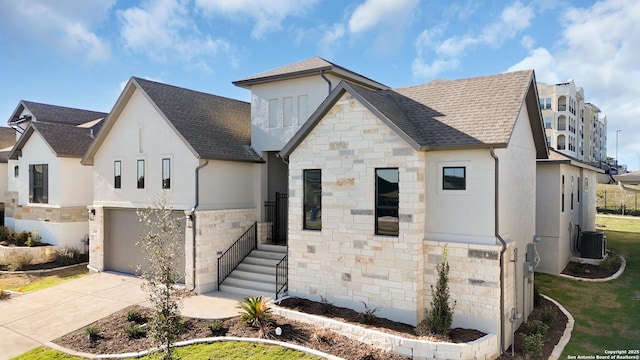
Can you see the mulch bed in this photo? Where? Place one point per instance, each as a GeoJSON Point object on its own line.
{"type": "Point", "coordinates": [83, 258]}
{"type": "Point", "coordinates": [556, 329]}
{"type": "Point", "coordinates": [589, 271]}
{"type": "Point", "coordinates": [456, 335]}
{"type": "Point", "coordinates": [113, 340]}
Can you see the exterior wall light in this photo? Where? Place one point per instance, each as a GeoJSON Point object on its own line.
{"type": "Point", "coordinates": [190, 220]}
{"type": "Point", "coordinates": [92, 214]}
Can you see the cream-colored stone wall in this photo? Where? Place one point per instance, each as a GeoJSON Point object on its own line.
{"type": "Point", "coordinates": [345, 261]}
{"type": "Point", "coordinates": [96, 239]}
{"type": "Point", "coordinates": [35, 255]}
{"type": "Point", "coordinates": [215, 230]}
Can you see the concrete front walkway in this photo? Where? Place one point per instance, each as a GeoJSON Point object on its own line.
{"type": "Point", "coordinates": [30, 320]}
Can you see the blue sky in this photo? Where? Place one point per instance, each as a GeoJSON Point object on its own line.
{"type": "Point", "coordinates": [80, 53]}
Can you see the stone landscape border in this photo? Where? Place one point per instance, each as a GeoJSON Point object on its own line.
{"type": "Point", "coordinates": [566, 336]}
{"type": "Point", "coordinates": [38, 254]}
{"type": "Point", "coordinates": [485, 347]}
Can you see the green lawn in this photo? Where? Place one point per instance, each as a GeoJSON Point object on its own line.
{"type": "Point", "coordinates": [607, 314]}
{"type": "Point", "coordinates": [219, 350]}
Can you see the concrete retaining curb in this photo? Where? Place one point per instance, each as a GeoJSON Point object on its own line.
{"type": "Point", "coordinates": [43, 271]}
{"type": "Point", "coordinates": [623, 265]}
{"type": "Point", "coordinates": [566, 336]}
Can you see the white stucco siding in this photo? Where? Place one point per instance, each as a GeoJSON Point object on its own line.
{"type": "Point", "coordinates": [13, 182]}
{"type": "Point", "coordinates": [68, 234]}
{"type": "Point", "coordinates": [141, 133]}
{"type": "Point", "coordinates": [460, 215]}
{"type": "Point", "coordinates": [517, 207]}
{"type": "Point", "coordinates": [76, 182]}
{"type": "Point", "coordinates": [345, 261]}
{"type": "Point", "coordinates": [36, 151]}
{"type": "Point", "coordinates": [272, 137]}
{"type": "Point", "coordinates": [229, 185]}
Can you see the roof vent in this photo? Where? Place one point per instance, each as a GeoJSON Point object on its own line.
{"type": "Point", "coordinates": [91, 133]}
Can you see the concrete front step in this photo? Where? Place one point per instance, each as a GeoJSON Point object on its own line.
{"type": "Point", "coordinates": [247, 292]}
{"type": "Point", "coordinates": [257, 269]}
{"type": "Point", "coordinates": [273, 248]}
{"type": "Point", "coordinates": [253, 276]}
{"type": "Point", "coordinates": [263, 254]}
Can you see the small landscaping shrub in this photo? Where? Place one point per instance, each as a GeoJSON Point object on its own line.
{"type": "Point", "coordinates": [532, 345]}
{"type": "Point", "coordinates": [21, 238]}
{"type": "Point", "coordinates": [136, 317]}
{"type": "Point", "coordinates": [93, 332]}
{"type": "Point", "coordinates": [3, 294]}
{"type": "Point", "coordinates": [256, 312]}
{"type": "Point", "coordinates": [6, 234]}
{"type": "Point", "coordinates": [579, 269]}
{"type": "Point", "coordinates": [440, 316]}
{"type": "Point", "coordinates": [611, 262]}
{"type": "Point", "coordinates": [68, 255]}
{"type": "Point", "coordinates": [547, 315]}
{"type": "Point", "coordinates": [19, 262]}
{"type": "Point", "coordinates": [537, 327]}
{"type": "Point", "coordinates": [34, 238]}
{"type": "Point", "coordinates": [135, 331]}
{"type": "Point", "coordinates": [216, 327]}
{"type": "Point", "coordinates": [368, 315]}
{"type": "Point", "coordinates": [323, 336]}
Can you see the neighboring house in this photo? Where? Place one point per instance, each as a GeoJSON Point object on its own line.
{"type": "Point", "coordinates": [193, 146]}
{"type": "Point", "coordinates": [7, 140]}
{"type": "Point", "coordinates": [565, 207]}
{"type": "Point", "coordinates": [48, 189]}
{"type": "Point", "coordinates": [380, 181]}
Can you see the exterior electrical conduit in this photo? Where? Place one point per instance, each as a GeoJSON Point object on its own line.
{"type": "Point", "coordinates": [502, 242]}
{"type": "Point", "coordinates": [193, 221]}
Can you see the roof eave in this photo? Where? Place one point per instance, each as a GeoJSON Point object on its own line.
{"type": "Point", "coordinates": [247, 83]}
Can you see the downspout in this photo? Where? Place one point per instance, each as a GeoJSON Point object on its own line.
{"type": "Point", "coordinates": [327, 80]}
{"type": "Point", "coordinates": [193, 221]}
{"type": "Point", "coordinates": [502, 241]}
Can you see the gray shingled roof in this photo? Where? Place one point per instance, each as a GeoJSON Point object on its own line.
{"type": "Point", "coordinates": [56, 114]}
{"type": "Point", "coordinates": [556, 157]}
{"type": "Point", "coordinates": [473, 112]}
{"type": "Point", "coordinates": [7, 140]}
{"type": "Point", "coordinates": [63, 140]}
{"type": "Point", "coordinates": [307, 67]}
{"type": "Point", "coordinates": [215, 127]}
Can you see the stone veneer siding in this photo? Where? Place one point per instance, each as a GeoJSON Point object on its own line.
{"type": "Point", "coordinates": [43, 212]}
{"type": "Point", "coordinates": [216, 230]}
{"type": "Point", "coordinates": [345, 261]}
{"type": "Point", "coordinates": [36, 254]}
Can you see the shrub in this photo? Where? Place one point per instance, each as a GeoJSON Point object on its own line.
{"type": "Point", "coordinates": [93, 332]}
{"type": "Point", "coordinates": [21, 238]}
{"type": "Point", "coordinates": [537, 327]}
{"type": "Point", "coordinates": [68, 255]}
{"type": "Point", "coordinates": [216, 327]}
{"type": "Point", "coordinates": [256, 312]}
{"type": "Point", "coordinates": [6, 234]}
{"type": "Point", "coordinates": [547, 315]}
{"type": "Point", "coordinates": [611, 262]}
{"type": "Point", "coordinates": [19, 262]}
{"type": "Point", "coordinates": [136, 317]}
{"type": "Point", "coordinates": [440, 316]}
{"type": "Point", "coordinates": [34, 238]}
{"type": "Point", "coordinates": [532, 345]}
{"type": "Point", "coordinates": [3, 294]}
{"type": "Point", "coordinates": [135, 331]}
{"type": "Point", "coordinates": [368, 315]}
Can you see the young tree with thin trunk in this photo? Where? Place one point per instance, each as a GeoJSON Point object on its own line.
{"type": "Point", "coordinates": [161, 272]}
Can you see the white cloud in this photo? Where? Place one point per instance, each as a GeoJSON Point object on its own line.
{"type": "Point", "coordinates": [373, 12]}
{"type": "Point", "coordinates": [165, 31]}
{"type": "Point", "coordinates": [65, 26]}
{"type": "Point", "coordinates": [598, 49]}
{"type": "Point", "coordinates": [514, 19]}
{"type": "Point", "coordinates": [329, 41]}
{"type": "Point", "coordinates": [267, 15]}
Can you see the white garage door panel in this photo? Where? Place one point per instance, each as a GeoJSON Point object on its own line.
{"type": "Point", "coordinates": [123, 232]}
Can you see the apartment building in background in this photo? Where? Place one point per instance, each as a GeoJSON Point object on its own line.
{"type": "Point", "coordinates": [573, 127]}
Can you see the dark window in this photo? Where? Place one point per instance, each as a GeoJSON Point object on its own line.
{"type": "Point", "coordinates": [117, 174]}
{"type": "Point", "coordinates": [16, 171]}
{"type": "Point", "coordinates": [166, 173]}
{"type": "Point", "coordinates": [578, 189]}
{"type": "Point", "coordinates": [387, 201]}
{"type": "Point", "coordinates": [312, 188]}
{"type": "Point", "coordinates": [39, 183]}
{"type": "Point", "coordinates": [454, 178]}
{"type": "Point", "coordinates": [572, 193]}
{"type": "Point", "coordinates": [562, 193]}
{"type": "Point", "coordinates": [140, 174]}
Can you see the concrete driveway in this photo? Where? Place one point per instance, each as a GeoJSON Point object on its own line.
{"type": "Point", "coordinates": [30, 320]}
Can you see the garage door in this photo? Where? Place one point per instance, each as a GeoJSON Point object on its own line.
{"type": "Point", "coordinates": [123, 231]}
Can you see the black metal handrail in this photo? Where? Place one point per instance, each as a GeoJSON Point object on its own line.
{"type": "Point", "coordinates": [239, 250]}
{"type": "Point", "coordinates": [282, 275]}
